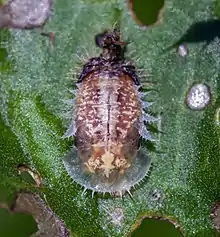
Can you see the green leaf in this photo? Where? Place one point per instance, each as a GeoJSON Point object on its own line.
{"type": "Point", "coordinates": [35, 82]}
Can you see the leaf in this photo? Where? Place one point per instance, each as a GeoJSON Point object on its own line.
{"type": "Point", "coordinates": [35, 82]}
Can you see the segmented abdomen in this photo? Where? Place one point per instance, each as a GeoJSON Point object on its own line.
{"type": "Point", "coordinates": [107, 115]}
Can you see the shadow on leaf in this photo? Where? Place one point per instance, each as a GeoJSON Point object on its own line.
{"type": "Point", "coordinates": [202, 31]}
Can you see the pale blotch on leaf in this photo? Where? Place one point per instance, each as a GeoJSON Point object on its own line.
{"type": "Point", "coordinates": [198, 97]}
{"type": "Point", "coordinates": [182, 50]}
{"type": "Point", "coordinates": [34, 174]}
{"type": "Point", "coordinates": [115, 215]}
{"type": "Point", "coordinates": [49, 224]}
{"type": "Point", "coordinates": [217, 117]}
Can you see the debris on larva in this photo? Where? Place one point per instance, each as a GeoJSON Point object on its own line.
{"type": "Point", "coordinates": [108, 123]}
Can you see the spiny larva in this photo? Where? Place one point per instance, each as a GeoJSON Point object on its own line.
{"type": "Point", "coordinates": [108, 122]}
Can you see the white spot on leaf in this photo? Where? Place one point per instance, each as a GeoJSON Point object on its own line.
{"type": "Point", "coordinates": [198, 97]}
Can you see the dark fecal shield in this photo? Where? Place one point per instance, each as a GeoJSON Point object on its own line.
{"type": "Point", "coordinates": [109, 123]}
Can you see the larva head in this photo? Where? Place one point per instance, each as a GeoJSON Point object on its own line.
{"type": "Point", "coordinates": [110, 42]}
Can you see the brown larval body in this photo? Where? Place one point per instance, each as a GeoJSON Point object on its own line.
{"type": "Point", "coordinates": [108, 122]}
{"type": "Point", "coordinates": [107, 118]}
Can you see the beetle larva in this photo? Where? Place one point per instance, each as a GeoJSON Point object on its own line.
{"type": "Point", "coordinates": [108, 123]}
